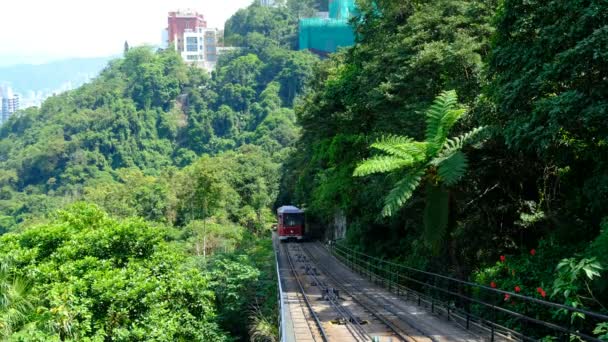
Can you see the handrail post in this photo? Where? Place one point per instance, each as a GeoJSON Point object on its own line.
{"type": "Point", "coordinates": [476, 299]}
{"type": "Point", "coordinates": [492, 323]}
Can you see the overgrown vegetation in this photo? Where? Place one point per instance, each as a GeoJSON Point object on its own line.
{"type": "Point", "coordinates": [534, 74]}
{"type": "Point", "coordinates": [138, 206]}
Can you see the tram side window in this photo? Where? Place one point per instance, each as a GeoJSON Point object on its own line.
{"type": "Point", "coordinates": [291, 220]}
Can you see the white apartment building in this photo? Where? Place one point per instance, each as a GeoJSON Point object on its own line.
{"type": "Point", "coordinates": [202, 46]}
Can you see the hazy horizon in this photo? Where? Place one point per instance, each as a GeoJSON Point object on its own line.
{"type": "Point", "coordinates": [102, 35]}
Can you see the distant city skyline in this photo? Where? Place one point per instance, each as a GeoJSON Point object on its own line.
{"type": "Point", "coordinates": [62, 29]}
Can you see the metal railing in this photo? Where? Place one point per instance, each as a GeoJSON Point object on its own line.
{"type": "Point", "coordinates": [281, 318]}
{"type": "Point", "coordinates": [473, 306]}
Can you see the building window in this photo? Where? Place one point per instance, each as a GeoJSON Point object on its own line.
{"type": "Point", "coordinates": [191, 57]}
{"type": "Point", "coordinates": [191, 44]}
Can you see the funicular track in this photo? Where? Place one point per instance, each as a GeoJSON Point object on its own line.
{"type": "Point", "coordinates": [411, 323]}
{"type": "Point", "coordinates": [341, 305]}
{"type": "Point", "coordinates": [334, 315]}
{"type": "Point", "coordinates": [304, 299]}
{"type": "Point", "coordinates": [355, 297]}
{"type": "Point", "coordinates": [372, 303]}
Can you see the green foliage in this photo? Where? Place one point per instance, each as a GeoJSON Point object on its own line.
{"type": "Point", "coordinates": [547, 72]}
{"type": "Point", "coordinates": [602, 331]}
{"type": "Point", "coordinates": [533, 73]}
{"type": "Point", "coordinates": [437, 157]}
{"type": "Point", "coordinates": [573, 277]}
{"type": "Point", "coordinates": [16, 301]}
{"type": "Point", "coordinates": [185, 165]}
{"type": "Point", "coordinates": [98, 278]}
{"type": "Point", "coordinates": [147, 112]}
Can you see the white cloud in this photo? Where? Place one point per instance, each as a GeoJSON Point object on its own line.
{"type": "Point", "coordinates": [82, 28]}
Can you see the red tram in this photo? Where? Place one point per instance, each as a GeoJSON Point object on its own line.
{"type": "Point", "coordinates": [290, 223]}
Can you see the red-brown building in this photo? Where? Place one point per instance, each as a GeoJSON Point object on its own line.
{"type": "Point", "coordinates": [180, 21]}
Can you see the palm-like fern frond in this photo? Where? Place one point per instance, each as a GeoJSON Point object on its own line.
{"type": "Point", "coordinates": [443, 104]}
{"type": "Point", "coordinates": [15, 303]}
{"type": "Point", "coordinates": [450, 118]}
{"type": "Point", "coordinates": [452, 168]}
{"type": "Point", "coordinates": [457, 143]}
{"type": "Point", "coordinates": [436, 215]}
{"type": "Point", "coordinates": [400, 146]}
{"type": "Point", "coordinates": [436, 151]}
{"type": "Point", "coordinates": [403, 190]}
{"type": "Point", "coordinates": [381, 164]}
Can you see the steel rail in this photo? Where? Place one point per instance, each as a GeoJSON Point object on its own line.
{"type": "Point", "coordinates": [549, 325]}
{"type": "Point", "coordinates": [282, 328]}
{"type": "Point", "coordinates": [399, 332]}
{"type": "Point", "coordinates": [343, 312]}
{"type": "Point", "coordinates": [512, 294]}
{"type": "Point", "coordinates": [305, 297]}
{"type": "Point", "coordinates": [433, 301]}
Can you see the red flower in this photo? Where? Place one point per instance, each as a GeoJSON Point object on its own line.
{"type": "Point", "coordinates": [503, 258]}
{"type": "Point", "coordinates": [539, 289]}
{"type": "Point", "coordinates": [533, 252]}
{"type": "Point", "coordinates": [507, 296]}
{"type": "Point", "coordinates": [517, 288]}
{"type": "Point", "coordinates": [493, 285]}
{"type": "Point", "coordinates": [543, 294]}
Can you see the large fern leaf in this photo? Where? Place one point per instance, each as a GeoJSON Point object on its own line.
{"type": "Point", "coordinates": [436, 216]}
{"type": "Point", "coordinates": [439, 119]}
{"type": "Point", "coordinates": [403, 190]}
{"type": "Point", "coordinates": [455, 144]}
{"type": "Point", "coordinates": [450, 118]}
{"type": "Point", "coordinates": [451, 168]}
{"type": "Point", "coordinates": [443, 103]}
{"type": "Point", "coordinates": [400, 146]}
{"type": "Point", "coordinates": [381, 164]}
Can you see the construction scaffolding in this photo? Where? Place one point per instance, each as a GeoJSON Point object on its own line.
{"type": "Point", "coordinates": [326, 35]}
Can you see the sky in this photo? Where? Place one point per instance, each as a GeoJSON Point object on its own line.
{"type": "Point", "coordinates": [36, 31]}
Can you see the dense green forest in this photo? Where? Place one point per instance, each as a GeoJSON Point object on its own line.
{"type": "Point", "coordinates": [463, 137]}
{"type": "Point", "coordinates": [138, 206]}
{"type": "Point", "coordinates": [460, 133]}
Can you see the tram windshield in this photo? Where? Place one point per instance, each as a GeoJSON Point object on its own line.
{"type": "Point", "coordinates": [291, 220]}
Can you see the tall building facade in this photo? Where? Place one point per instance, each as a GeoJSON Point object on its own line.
{"type": "Point", "coordinates": [187, 31]}
{"type": "Point", "coordinates": [180, 21]}
{"type": "Point", "coordinates": [202, 47]}
{"type": "Point", "coordinates": [10, 104]}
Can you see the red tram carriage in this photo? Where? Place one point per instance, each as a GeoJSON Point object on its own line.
{"type": "Point", "coordinates": [290, 223]}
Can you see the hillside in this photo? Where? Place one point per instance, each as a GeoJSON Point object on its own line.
{"type": "Point", "coordinates": [464, 138]}
{"type": "Point", "coordinates": [138, 206]}
{"type": "Point", "coordinates": [51, 76]}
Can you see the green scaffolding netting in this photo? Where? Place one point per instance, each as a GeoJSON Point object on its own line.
{"type": "Point", "coordinates": [328, 34]}
{"type": "Point", "coordinates": [341, 9]}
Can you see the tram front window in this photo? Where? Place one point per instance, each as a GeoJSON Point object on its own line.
{"type": "Point", "coordinates": [292, 220]}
